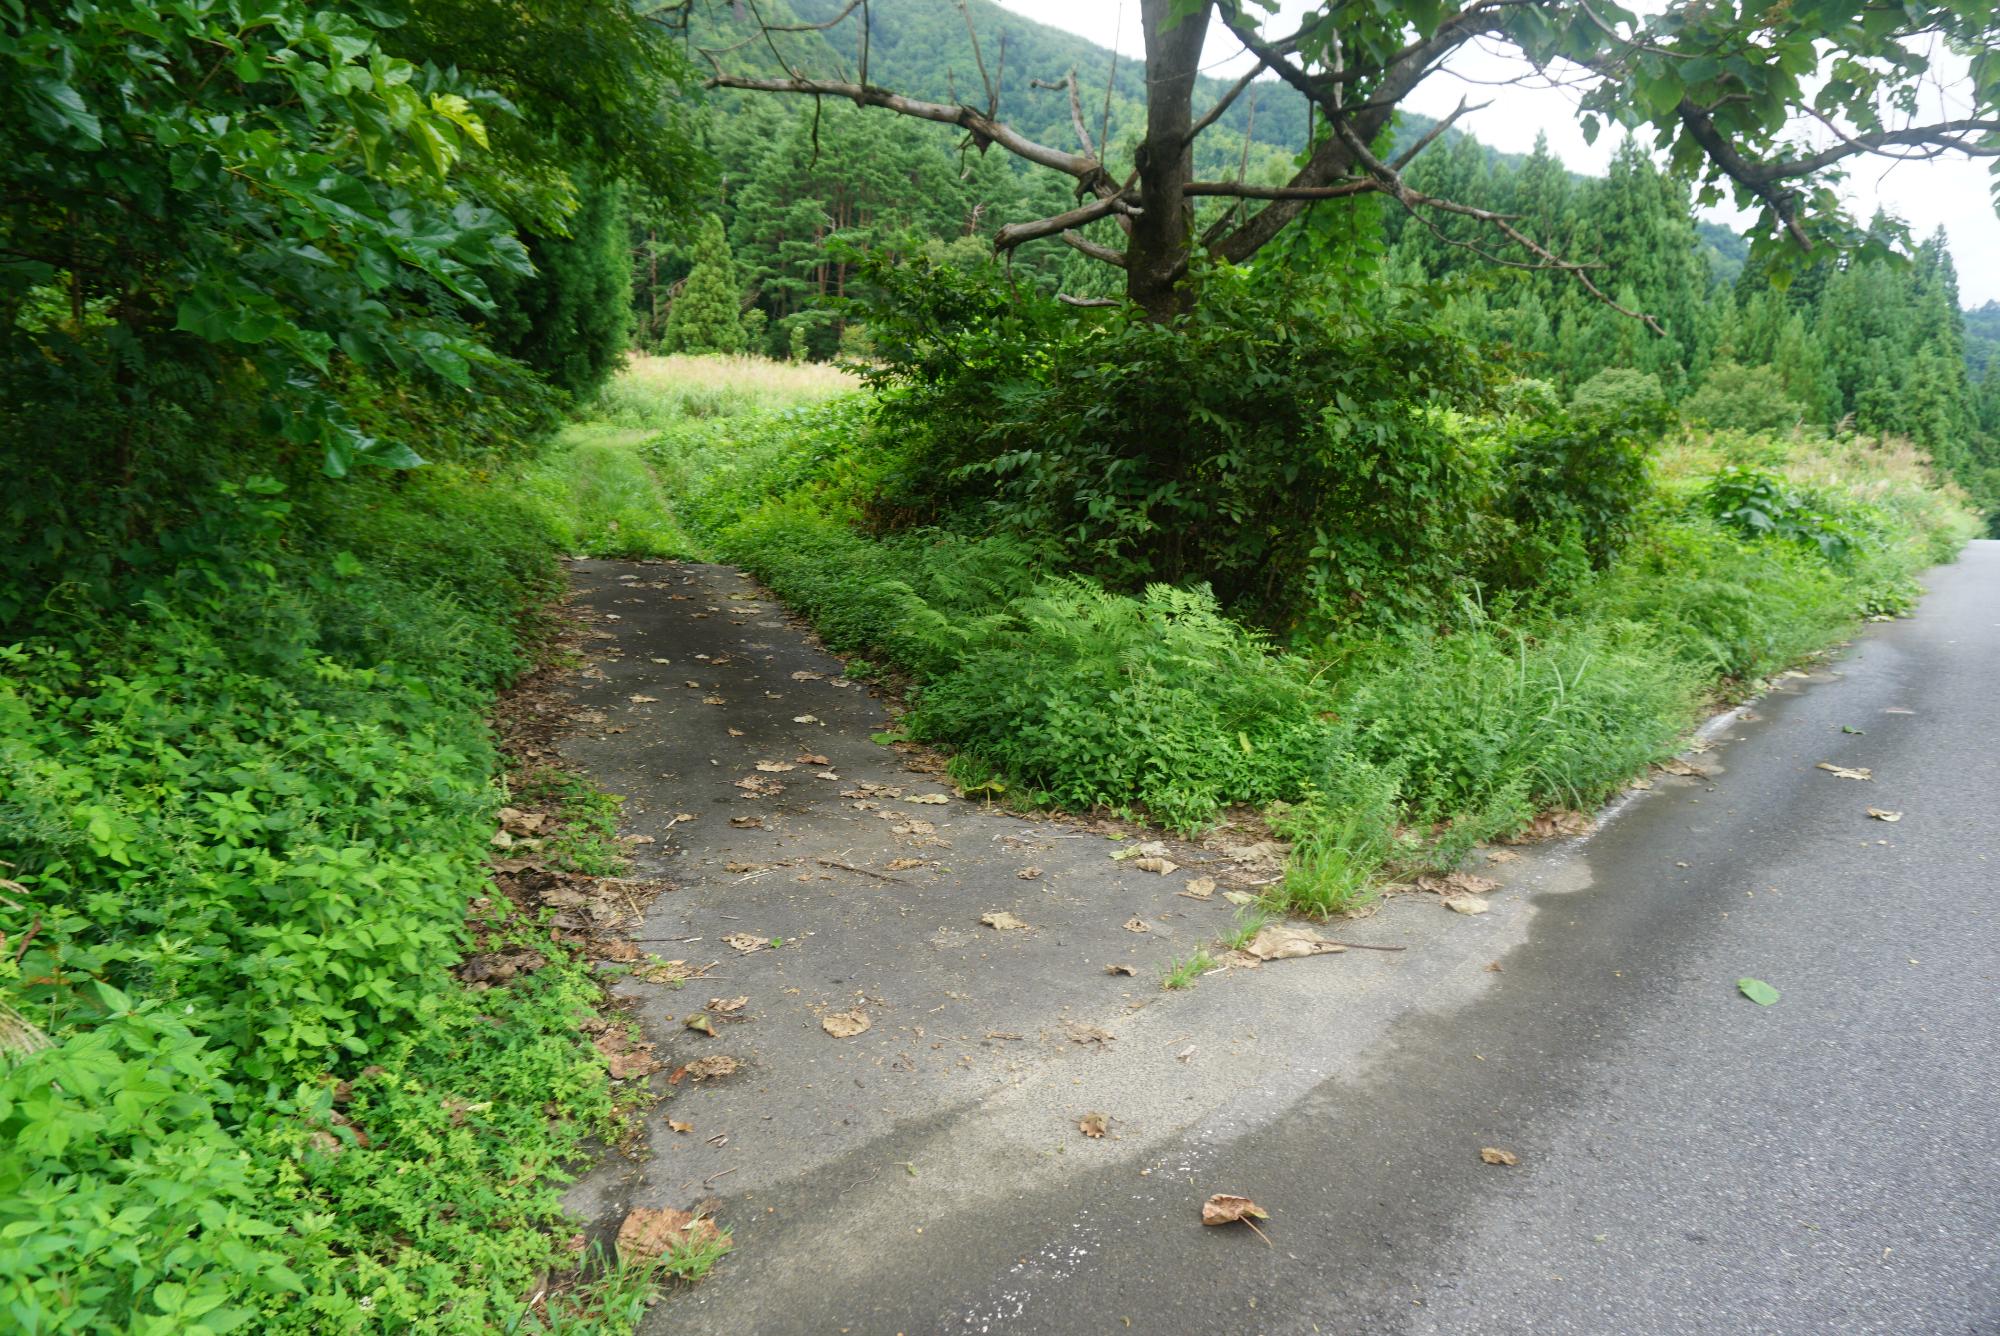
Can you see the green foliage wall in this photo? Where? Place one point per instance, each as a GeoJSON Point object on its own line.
{"type": "Point", "coordinates": [707, 317]}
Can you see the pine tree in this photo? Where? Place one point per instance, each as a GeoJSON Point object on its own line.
{"type": "Point", "coordinates": [708, 315]}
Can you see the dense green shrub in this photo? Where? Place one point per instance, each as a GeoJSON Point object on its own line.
{"type": "Point", "coordinates": [1762, 505]}
{"type": "Point", "coordinates": [1281, 444]}
{"type": "Point", "coordinates": [246, 809]}
{"type": "Point", "coordinates": [1743, 398]}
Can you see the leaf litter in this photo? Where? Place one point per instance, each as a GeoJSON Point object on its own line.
{"type": "Point", "coordinates": [1226, 1208]}
{"type": "Point", "coordinates": [846, 1024]}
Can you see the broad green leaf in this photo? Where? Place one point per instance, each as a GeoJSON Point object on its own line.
{"type": "Point", "coordinates": [1758, 991]}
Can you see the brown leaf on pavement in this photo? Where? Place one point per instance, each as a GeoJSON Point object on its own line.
{"type": "Point", "coordinates": [1226, 1208]}
{"type": "Point", "coordinates": [1161, 866]}
{"type": "Point", "coordinates": [1845, 772]}
{"type": "Point", "coordinates": [1881, 815]}
{"type": "Point", "coordinates": [1456, 883]}
{"type": "Point", "coordinates": [845, 1024]}
{"type": "Point", "coordinates": [1003, 920]}
{"type": "Point", "coordinates": [1465, 904]}
{"type": "Point", "coordinates": [775, 767]}
{"type": "Point", "coordinates": [904, 864]}
{"type": "Point", "coordinates": [813, 758]}
{"type": "Point", "coordinates": [1494, 1155]}
{"type": "Point", "coordinates": [712, 1068]}
{"type": "Point", "coordinates": [746, 942]}
{"type": "Point", "coordinates": [747, 822]}
{"type": "Point", "coordinates": [1094, 1125]}
{"type": "Point", "coordinates": [1502, 856]}
{"type": "Point", "coordinates": [1549, 825]}
{"type": "Point", "coordinates": [728, 1006]}
{"type": "Point", "coordinates": [1120, 969]}
{"type": "Point", "coordinates": [673, 1126]}
{"type": "Point", "coordinates": [1029, 873]}
{"type": "Point", "coordinates": [1137, 924]}
{"type": "Point", "coordinates": [625, 1058]}
{"type": "Point", "coordinates": [647, 1234]}
{"type": "Point", "coordinates": [928, 798]}
{"type": "Point", "coordinates": [1079, 1033]}
{"type": "Point", "coordinates": [1199, 889]}
{"type": "Point", "coordinates": [1284, 941]}
{"type": "Point", "coordinates": [700, 1023]}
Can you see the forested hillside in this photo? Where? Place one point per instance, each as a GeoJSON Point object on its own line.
{"type": "Point", "coordinates": [806, 187]}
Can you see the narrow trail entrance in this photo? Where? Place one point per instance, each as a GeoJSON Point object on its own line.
{"type": "Point", "coordinates": [753, 782]}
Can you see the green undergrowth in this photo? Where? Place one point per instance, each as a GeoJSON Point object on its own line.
{"type": "Point", "coordinates": [1393, 745]}
{"type": "Point", "coordinates": [247, 798]}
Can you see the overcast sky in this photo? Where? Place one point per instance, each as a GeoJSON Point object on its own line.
{"type": "Point", "coordinates": [1952, 192]}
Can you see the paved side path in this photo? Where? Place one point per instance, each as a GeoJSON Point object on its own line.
{"type": "Point", "coordinates": [1689, 1162]}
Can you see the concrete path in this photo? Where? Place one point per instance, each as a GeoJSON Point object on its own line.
{"type": "Point", "coordinates": [1689, 1161]}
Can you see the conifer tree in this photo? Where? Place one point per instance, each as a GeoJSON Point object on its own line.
{"type": "Point", "coordinates": [708, 315]}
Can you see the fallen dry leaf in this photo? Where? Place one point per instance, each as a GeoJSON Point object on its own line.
{"type": "Point", "coordinates": [775, 767]}
{"type": "Point", "coordinates": [713, 700]}
{"type": "Point", "coordinates": [1457, 883]}
{"type": "Point", "coordinates": [1137, 924]}
{"type": "Point", "coordinates": [1844, 772]}
{"type": "Point", "coordinates": [807, 675]}
{"type": "Point", "coordinates": [1881, 815]}
{"type": "Point", "coordinates": [746, 942]}
{"type": "Point", "coordinates": [728, 1006]}
{"type": "Point", "coordinates": [1239, 897]}
{"type": "Point", "coordinates": [759, 787]}
{"type": "Point", "coordinates": [928, 798]}
{"type": "Point", "coordinates": [712, 1068]}
{"type": "Point", "coordinates": [1003, 920]}
{"type": "Point", "coordinates": [805, 718]}
{"type": "Point", "coordinates": [1494, 1155]}
{"type": "Point", "coordinates": [1120, 969]}
{"type": "Point", "coordinates": [1079, 1033]}
{"type": "Point", "coordinates": [904, 864]}
{"type": "Point", "coordinates": [1226, 1208]}
{"type": "Point", "coordinates": [1502, 856]}
{"type": "Point", "coordinates": [1199, 889]}
{"type": "Point", "coordinates": [1284, 941]}
{"type": "Point", "coordinates": [1679, 767]}
{"type": "Point", "coordinates": [636, 839]}
{"type": "Point", "coordinates": [1466, 904]}
{"type": "Point", "coordinates": [642, 700]}
{"type": "Point", "coordinates": [647, 1234]}
{"type": "Point", "coordinates": [1094, 1125]}
{"type": "Point", "coordinates": [700, 1023]}
{"type": "Point", "coordinates": [747, 822]}
{"type": "Point", "coordinates": [1548, 825]}
{"type": "Point", "coordinates": [625, 1058]}
{"type": "Point", "coordinates": [845, 1024]}
{"type": "Point", "coordinates": [735, 732]}
{"type": "Point", "coordinates": [813, 758]}
{"type": "Point", "coordinates": [1162, 866]}
{"type": "Point", "coordinates": [673, 1126]}
{"type": "Point", "coordinates": [1029, 873]}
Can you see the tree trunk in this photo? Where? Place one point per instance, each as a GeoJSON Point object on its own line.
{"type": "Point", "coordinates": [1156, 252]}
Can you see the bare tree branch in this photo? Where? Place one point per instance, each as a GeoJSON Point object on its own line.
{"type": "Point", "coordinates": [981, 127]}
{"type": "Point", "coordinates": [1078, 241]}
{"type": "Point", "coordinates": [1014, 234]}
{"type": "Point", "coordinates": [1243, 190]}
{"type": "Point", "coordinates": [1068, 300]}
{"type": "Point", "coordinates": [1408, 155]}
{"type": "Point", "coordinates": [992, 93]}
{"type": "Point", "coordinates": [1068, 81]}
{"type": "Point", "coordinates": [1222, 103]}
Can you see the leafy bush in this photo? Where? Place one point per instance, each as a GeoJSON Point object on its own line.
{"type": "Point", "coordinates": [1281, 444]}
{"type": "Point", "coordinates": [1743, 398]}
{"type": "Point", "coordinates": [1762, 505]}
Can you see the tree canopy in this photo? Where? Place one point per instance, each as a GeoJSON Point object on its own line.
{"type": "Point", "coordinates": [1728, 95]}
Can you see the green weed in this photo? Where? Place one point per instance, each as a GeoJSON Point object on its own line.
{"type": "Point", "coordinates": [1183, 972]}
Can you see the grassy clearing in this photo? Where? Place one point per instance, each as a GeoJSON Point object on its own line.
{"type": "Point", "coordinates": [1394, 749]}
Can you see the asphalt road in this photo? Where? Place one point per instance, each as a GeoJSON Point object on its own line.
{"type": "Point", "coordinates": [1688, 1161]}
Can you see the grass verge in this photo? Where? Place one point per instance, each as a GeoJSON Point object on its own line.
{"type": "Point", "coordinates": [247, 811]}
